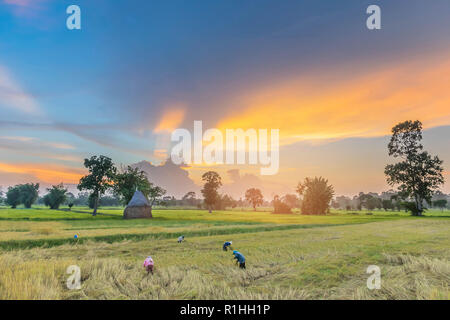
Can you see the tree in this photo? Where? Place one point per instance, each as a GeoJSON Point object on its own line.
{"type": "Point", "coordinates": [370, 201]}
{"type": "Point", "coordinates": [13, 197]}
{"type": "Point", "coordinates": [317, 195]}
{"type": "Point", "coordinates": [100, 178]}
{"type": "Point", "coordinates": [387, 204]}
{"type": "Point", "coordinates": [189, 198]}
{"type": "Point", "coordinates": [291, 200]}
{"type": "Point", "coordinates": [418, 174]}
{"type": "Point", "coordinates": [128, 181]}
{"type": "Point", "coordinates": [28, 194]}
{"type": "Point", "coordinates": [82, 199]}
{"type": "Point", "coordinates": [212, 183]}
{"type": "Point", "coordinates": [55, 197]}
{"type": "Point", "coordinates": [279, 206]}
{"type": "Point", "coordinates": [255, 197]}
{"type": "Point", "coordinates": [70, 200]}
{"type": "Point", "coordinates": [155, 195]}
{"type": "Point", "coordinates": [442, 203]}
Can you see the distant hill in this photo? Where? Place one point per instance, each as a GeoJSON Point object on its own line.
{"type": "Point", "coordinates": [169, 176]}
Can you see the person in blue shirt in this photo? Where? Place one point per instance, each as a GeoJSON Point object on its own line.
{"type": "Point", "coordinates": [239, 259]}
{"type": "Point", "coordinates": [226, 245]}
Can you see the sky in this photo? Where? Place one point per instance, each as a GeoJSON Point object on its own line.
{"type": "Point", "coordinates": [139, 69]}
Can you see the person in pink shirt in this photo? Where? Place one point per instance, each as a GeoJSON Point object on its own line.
{"type": "Point", "coordinates": [148, 264]}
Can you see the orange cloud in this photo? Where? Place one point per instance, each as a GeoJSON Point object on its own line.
{"type": "Point", "coordinates": [160, 154]}
{"type": "Point", "coordinates": [363, 105]}
{"type": "Point", "coordinates": [45, 173]}
{"type": "Point", "coordinates": [170, 120]}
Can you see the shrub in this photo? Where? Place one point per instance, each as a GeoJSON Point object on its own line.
{"type": "Point", "coordinates": [13, 197]}
{"type": "Point", "coordinates": [55, 196]}
{"type": "Point", "coordinates": [28, 194]}
{"type": "Point", "coordinates": [317, 195]}
{"type": "Point", "coordinates": [280, 206]}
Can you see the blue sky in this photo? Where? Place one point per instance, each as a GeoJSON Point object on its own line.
{"type": "Point", "coordinates": [104, 89]}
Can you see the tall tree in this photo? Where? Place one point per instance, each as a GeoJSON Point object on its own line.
{"type": "Point", "coordinates": [279, 206]}
{"type": "Point", "coordinates": [128, 181]}
{"type": "Point", "coordinates": [317, 195]}
{"type": "Point", "coordinates": [189, 198]}
{"type": "Point", "coordinates": [100, 178]}
{"type": "Point", "coordinates": [212, 183]}
{"type": "Point", "coordinates": [418, 174]}
{"type": "Point", "coordinates": [55, 197]}
{"type": "Point", "coordinates": [255, 197]}
{"type": "Point", "coordinates": [442, 203]}
{"type": "Point", "coordinates": [291, 200]}
{"type": "Point", "coordinates": [28, 193]}
{"type": "Point", "coordinates": [13, 197]}
{"type": "Point", "coordinates": [155, 195]}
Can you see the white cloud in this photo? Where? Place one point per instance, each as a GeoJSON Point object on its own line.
{"type": "Point", "coordinates": [12, 96]}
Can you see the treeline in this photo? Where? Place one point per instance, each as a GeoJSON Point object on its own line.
{"type": "Point", "coordinates": [417, 174]}
{"type": "Point", "coordinates": [388, 201]}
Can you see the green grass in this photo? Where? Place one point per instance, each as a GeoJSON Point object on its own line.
{"type": "Point", "coordinates": [288, 256]}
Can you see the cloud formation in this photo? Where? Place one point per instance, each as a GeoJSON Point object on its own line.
{"type": "Point", "coordinates": [14, 97]}
{"type": "Point", "coordinates": [47, 173]}
{"type": "Point", "coordinates": [337, 105]}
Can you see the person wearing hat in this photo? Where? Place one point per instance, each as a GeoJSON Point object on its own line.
{"type": "Point", "coordinates": [239, 259]}
{"type": "Point", "coordinates": [226, 245]}
{"type": "Point", "coordinates": [148, 264]}
{"type": "Point", "coordinates": [180, 239]}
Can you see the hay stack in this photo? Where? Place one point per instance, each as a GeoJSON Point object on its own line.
{"type": "Point", "coordinates": [138, 208]}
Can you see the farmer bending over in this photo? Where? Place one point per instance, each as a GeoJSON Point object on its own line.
{"type": "Point", "coordinates": [180, 239]}
{"type": "Point", "coordinates": [226, 245]}
{"type": "Point", "coordinates": [239, 259]}
{"type": "Point", "coordinates": [148, 265]}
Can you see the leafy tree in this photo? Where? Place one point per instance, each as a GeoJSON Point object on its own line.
{"type": "Point", "coordinates": [92, 201]}
{"type": "Point", "coordinates": [128, 181]}
{"type": "Point", "coordinates": [70, 200]}
{"type": "Point", "coordinates": [212, 183]}
{"type": "Point", "coordinates": [279, 206]}
{"type": "Point", "coordinates": [109, 201]}
{"type": "Point", "coordinates": [442, 203]}
{"type": "Point", "coordinates": [317, 195]}
{"type": "Point", "coordinates": [100, 178]}
{"type": "Point", "coordinates": [387, 204]}
{"type": "Point", "coordinates": [418, 174]}
{"type": "Point", "coordinates": [82, 199]}
{"type": "Point", "coordinates": [228, 201]}
{"type": "Point", "coordinates": [224, 201]}
{"type": "Point", "coordinates": [369, 201]}
{"type": "Point", "coordinates": [13, 197]}
{"type": "Point", "coordinates": [255, 197]}
{"type": "Point", "coordinates": [55, 197]}
{"type": "Point", "coordinates": [373, 203]}
{"type": "Point", "coordinates": [291, 200]}
{"type": "Point", "coordinates": [29, 193]}
{"type": "Point", "coordinates": [189, 198]}
{"type": "Point", "coordinates": [155, 195]}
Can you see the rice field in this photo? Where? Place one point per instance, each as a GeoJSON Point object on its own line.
{"type": "Point", "coordinates": [288, 256]}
